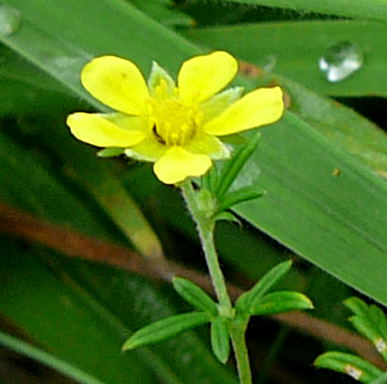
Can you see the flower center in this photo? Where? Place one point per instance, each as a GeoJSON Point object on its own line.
{"type": "Point", "coordinates": [174, 122]}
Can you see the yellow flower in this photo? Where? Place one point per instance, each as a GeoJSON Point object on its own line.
{"type": "Point", "coordinates": [174, 126]}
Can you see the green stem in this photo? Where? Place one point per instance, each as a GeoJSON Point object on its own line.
{"type": "Point", "coordinates": [205, 226]}
{"type": "Point", "coordinates": [237, 333]}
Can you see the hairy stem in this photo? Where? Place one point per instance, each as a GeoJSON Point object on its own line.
{"type": "Point", "coordinates": [205, 227]}
{"type": "Point", "coordinates": [237, 333]}
{"type": "Point", "coordinates": [237, 327]}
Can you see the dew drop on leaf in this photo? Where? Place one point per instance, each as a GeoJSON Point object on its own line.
{"type": "Point", "coordinates": [9, 20]}
{"type": "Point", "coordinates": [340, 61]}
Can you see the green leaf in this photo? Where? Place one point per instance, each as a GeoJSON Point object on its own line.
{"type": "Point", "coordinates": [47, 359]}
{"type": "Point", "coordinates": [267, 281]}
{"type": "Point", "coordinates": [240, 195]}
{"type": "Point", "coordinates": [220, 340]}
{"type": "Point", "coordinates": [165, 329]}
{"type": "Point", "coordinates": [195, 295]}
{"type": "Point", "coordinates": [234, 166]}
{"type": "Point", "coordinates": [294, 49]}
{"type": "Point", "coordinates": [352, 365]}
{"type": "Point", "coordinates": [279, 302]}
{"type": "Point", "coordinates": [227, 216]}
{"type": "Point", "coordinates": [369, 10]}
{"type": "Point", "coordinates": [369, 321]}
{"type": "Point", "coordinates": [338, 123]}
{"type": "Point", "coordinates": [34, 191]}
{"type": "Point", "coordinates": [83, 313]}
{"type": "Point", "coordinates": [314, 214]}
{"type": "Point", "coordinates": [163, 11]}
{"type": "Point", "coordinates": [382, 379]}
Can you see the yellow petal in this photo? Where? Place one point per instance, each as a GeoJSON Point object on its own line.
{"type": "Point", "coordinates": [93, 129]}
{"type": "Point", "coordinates": [177, 164]}
{"type": "Point", "coordinates": [203, 76]}
{"type": "Point", "coordinates": [260, 107]}
{"type": "Point", "coordinates": [116, 82]}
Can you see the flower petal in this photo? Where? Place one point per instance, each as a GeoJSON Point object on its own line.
{"type": "Point", "coordinates": [260, 107]}
{"type": "Point", "coordinates": [116, 82]}
{"type": "Point", "coordinates": [208, 145]}
{"type": "Point", "coordinates": [93, 128]}
{"type": "Point", "coordinates": [177, 164]}
{"type": "Point", "coordinates": [203, 76]}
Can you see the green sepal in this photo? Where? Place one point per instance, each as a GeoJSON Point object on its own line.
{"type": "Point", "coordinates": [235, 139]}
{"type": "Point", "coordinates": [227, 216]}
{"type": "Point", "coordinates": [165, 329]}
{"type": "Point", "coordinates": [250, 192]}
{"type": "Point", "coordinates": [208, 180]}
{"type": "Point", "coordinates": [194, 295]}
{"type": "Point", "coordinates": [110, 152]}
{"type": "Point", "coordinates": [267, 281]}
{"type": "Point", "coordinates": [233, 167]}
{"type": "Point", "coordinates": [220, 339]}
{"type": "Point", "coordinates": [279, 302]}
{"type": "Point", "coordinates": [158, 74]}
{"type": "Point", "coordinates": [206, 202]}
{"type": "Point", "coordinates": [369, 321]}
{"type": "Point", "coordinates": [215, 105]}
{"type": "Point", "coordinates": [352, 365]}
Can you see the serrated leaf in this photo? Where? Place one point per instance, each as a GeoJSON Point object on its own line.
{"type": "Point", "coordinates": [247, 193]}
{"type": "Point", "coordinates": [234, 166]}
{"type": "Point", "coordinates": [267, 281]}
{"type": "Point", "coordinates": [369, 321]}
{"type": "Point", "coordinates": [220, 340]}
{"type": "Point", "coordinates": [352, 365]}
{"type": "Point", "coordinates": [165, 329]}
{"type": "Point", "coordinates": [279, 302]}
{"type": "Point", "coordinates": [195, 295]}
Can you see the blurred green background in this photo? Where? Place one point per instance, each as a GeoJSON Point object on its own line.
{"type": "Point", "coordinates": [324, 166]}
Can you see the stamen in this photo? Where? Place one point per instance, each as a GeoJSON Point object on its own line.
{"type": "Point", "coordinates": [175, 123]}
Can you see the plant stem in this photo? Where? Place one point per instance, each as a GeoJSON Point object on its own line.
{"type": "Point", "coordinates": [237, 327]}
{"type": "Point", "coordinates": [205, 227]}
{"type": "Point", "coordinates": [237, 332]}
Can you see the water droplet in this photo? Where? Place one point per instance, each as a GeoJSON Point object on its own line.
{"type": "Point", "coordinates": [9, 20]}
{"type": "Point", "coordinates": [340, 61]}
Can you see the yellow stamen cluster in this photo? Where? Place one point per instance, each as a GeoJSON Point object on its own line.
{"type": "Point", "coordinates": [174, 123]}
